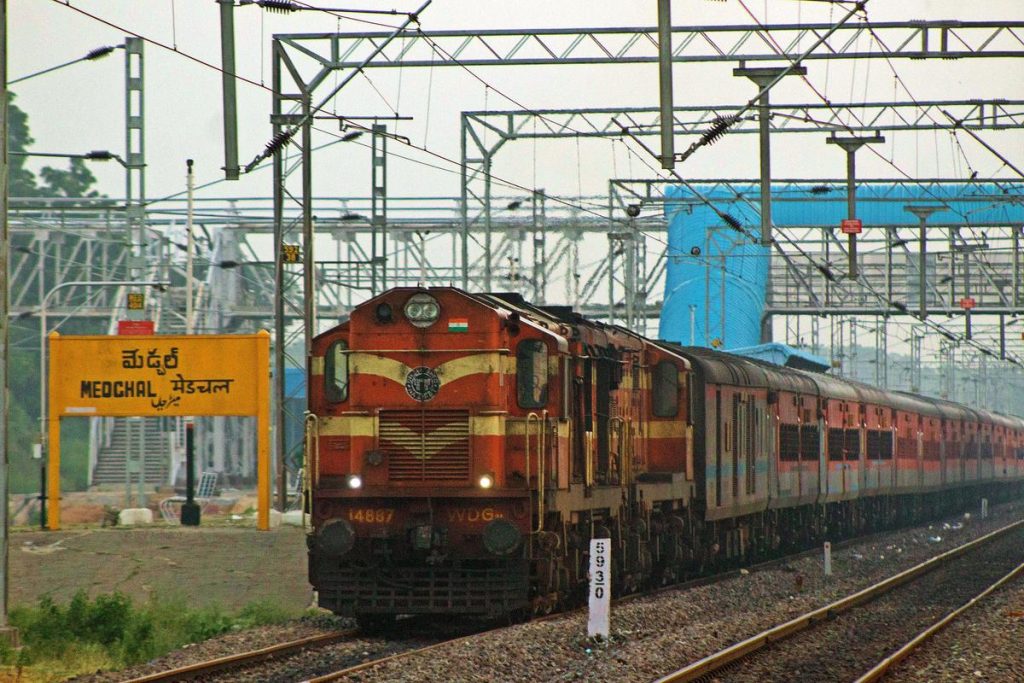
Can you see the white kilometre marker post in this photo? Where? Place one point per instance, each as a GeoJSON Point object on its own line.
{"type": "Point", "coordinates": [600, 587]}
{"type": "Point", "coordinates": [984, 508]}
{"type": "Point", "coordinates": [828, 559]}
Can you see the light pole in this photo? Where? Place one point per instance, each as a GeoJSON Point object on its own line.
{"type": "Point", "coordinates": [43, 332]}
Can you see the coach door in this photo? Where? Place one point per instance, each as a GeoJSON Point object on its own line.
{"type": "Point", "coordinates": [822, 451]}
{"type": "Point", "coordinates": [943, 451]}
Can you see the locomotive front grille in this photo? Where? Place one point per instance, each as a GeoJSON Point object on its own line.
{"type": "Point", "coordinates": [425, 445]}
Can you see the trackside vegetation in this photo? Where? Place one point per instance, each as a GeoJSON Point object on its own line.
{"type": "Point", "coordinates": [110, 632]}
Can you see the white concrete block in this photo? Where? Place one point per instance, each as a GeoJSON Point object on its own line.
{"type": "Point", "coordinates": [275, 519]}
{"type": "Point", "coordinates": [134, 516]}
{"type": "Point", "coordinates": [292, 518]}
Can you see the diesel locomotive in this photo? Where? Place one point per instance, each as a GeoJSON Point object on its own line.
{"type": "Point", "coordinates": [462, 449]}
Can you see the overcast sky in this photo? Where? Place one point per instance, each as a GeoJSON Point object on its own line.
{"type": "Point", "coordinates": [81, 108]}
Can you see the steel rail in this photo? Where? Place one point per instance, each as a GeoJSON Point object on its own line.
{"type": "Point", "coordinates": [242, 659]}
{"type": "Point", "coordinates": [341, 673]}
{"type": "Point", "coordinates": [737, 651]}
{"type": "Point", "coordinates": [883, 667]}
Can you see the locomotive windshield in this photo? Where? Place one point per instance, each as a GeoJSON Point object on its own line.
{"type": "Point", "coordinates": [532, 373]}
{"type": "Point", "coordinates": [666, 390]}
{"type": "Point", "coordinates": [336, 372]}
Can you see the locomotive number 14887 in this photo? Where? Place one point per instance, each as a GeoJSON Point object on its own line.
{"type": "Point", "coordinates": [371, 515]}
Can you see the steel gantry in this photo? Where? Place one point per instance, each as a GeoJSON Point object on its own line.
{"type": "Point", "coordinates": [485, 133]}
{"type": "Point", "coordinates": [942, 39]}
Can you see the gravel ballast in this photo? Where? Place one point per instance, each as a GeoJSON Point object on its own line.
{"type": "Point", "coordinates": [986, 643]}
{"type": "Point", "coordinates": [651, 636]}
{"type": "Point", "coordinates": [853, 642]}
{"type": "Point", "coordinates": [656, 635]}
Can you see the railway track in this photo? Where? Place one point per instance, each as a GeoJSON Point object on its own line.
{"type": "Point", "coordinates": [844, 638]}
{"type": "Point", "coordinates": [243, 659]}
{"type": "Point", "coordinates": [886, 665]}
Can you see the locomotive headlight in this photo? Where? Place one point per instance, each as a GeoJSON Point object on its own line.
{"type": "Point", "coordinates": [486, 481]}
{"type": "Point", "coordinates": [422, 310]}
{"type": "Point", "coordinates": [355, 481]}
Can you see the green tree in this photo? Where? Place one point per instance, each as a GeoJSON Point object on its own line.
{"type": "Point", "coordinates": [23, 362]}
{"type": "Point", "coordinates": [22, 181]}
{"type": "Point", "coordinates": [76, 181]}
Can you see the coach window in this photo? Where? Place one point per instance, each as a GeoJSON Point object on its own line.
{"type": "Point", "coordinates": [336, 372]}
{"type": "Point", "coordinates": [532, 373]}
{"type": "Point", "coordinates": [666, 390]}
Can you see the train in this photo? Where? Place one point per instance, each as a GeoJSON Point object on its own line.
{"type": "Point", "coordinates": [462, 449]}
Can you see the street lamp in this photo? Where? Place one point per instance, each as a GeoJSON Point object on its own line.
{"type": "Point", "coordinates": [43, 332]}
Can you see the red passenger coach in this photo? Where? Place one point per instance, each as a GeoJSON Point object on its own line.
{"type": "Point", "coordinates": [463, 449]}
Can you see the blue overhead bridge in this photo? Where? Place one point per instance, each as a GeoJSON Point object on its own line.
{"type": "Point", "coordinates": [716, 276]}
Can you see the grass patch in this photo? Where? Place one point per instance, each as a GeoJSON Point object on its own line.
{"type": "Point", "coordinates": [110, 632]}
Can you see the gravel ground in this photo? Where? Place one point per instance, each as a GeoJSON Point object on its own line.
{"type": "Point", "coordinates": [848, 645]}
{"type": "Point", "coordinates": [656, 635]}
{"type": "Point", "coordinates": [985, 644]}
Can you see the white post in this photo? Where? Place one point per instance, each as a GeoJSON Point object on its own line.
{"type": "Point", "coordinates": [828, 559]}
{"type": "Point", "coordinates": [600, 587]}
{"type": "Point", "coordinates": [190, 183]}
{"type": "Point", "coordinates": [984, 508]}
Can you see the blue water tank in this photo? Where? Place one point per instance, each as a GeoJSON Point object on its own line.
{"type": "Point", "coordinates": [716, 269]}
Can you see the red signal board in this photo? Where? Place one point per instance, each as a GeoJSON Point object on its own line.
{"type": "Point", "coordinates": [851, 226]}
{"type": "Point", "coordinates": [135, 327]}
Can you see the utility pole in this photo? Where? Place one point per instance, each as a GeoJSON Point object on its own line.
{"type": "Point", "coordinates": [6, 632]}
{"type": "Point", "coordinates": [922, 213]}
{"type": "Point", "coordinates": [227, 54]}
{"type": "Point", "coordinates": [763, 76]}
{"type": "Point", "coordinates": [668, 151]}
{"type": "Point", "coordinates": [850, 145]}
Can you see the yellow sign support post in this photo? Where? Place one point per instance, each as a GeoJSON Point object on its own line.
{"type": "Point", "coordinates": [160, 376]}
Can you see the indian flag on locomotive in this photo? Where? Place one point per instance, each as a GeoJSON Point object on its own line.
{"type": "Point", "coordinates": [458, 324]}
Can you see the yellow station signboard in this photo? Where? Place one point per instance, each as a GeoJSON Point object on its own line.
{"type": "Point", "coordinates": [165, 375]}
{"type": "Point", "coordinates": [156, 375]}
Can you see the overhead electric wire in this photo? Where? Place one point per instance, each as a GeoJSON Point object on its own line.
{"type": "Point", "coordinates": [864, 283]}
{"type": "Point", "coordinates": [859, 5]}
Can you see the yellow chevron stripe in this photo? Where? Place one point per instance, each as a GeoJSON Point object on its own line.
{"type": "Point", "coordinates": [440, 439]}
{"type": "Point", "coordinates": [381, 366]}
{"type": "Point", "coordinates": [479, 363]}
{"type": "Point", "coordinates": [450, 371]}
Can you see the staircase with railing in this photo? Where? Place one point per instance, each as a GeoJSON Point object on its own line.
{"type": "Point", "coordinates": [126, 441]}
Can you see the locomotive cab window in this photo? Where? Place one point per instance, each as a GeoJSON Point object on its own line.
{"type": "Point", "coordinates": [666, 390]}
{"type": "Point", "coordinates": [336, 372]}
{"type": "Point", "coordinates": [532, 373]}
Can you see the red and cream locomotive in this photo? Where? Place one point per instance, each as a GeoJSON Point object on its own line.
{"type": "Point", "coordinates": [463, 449]}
